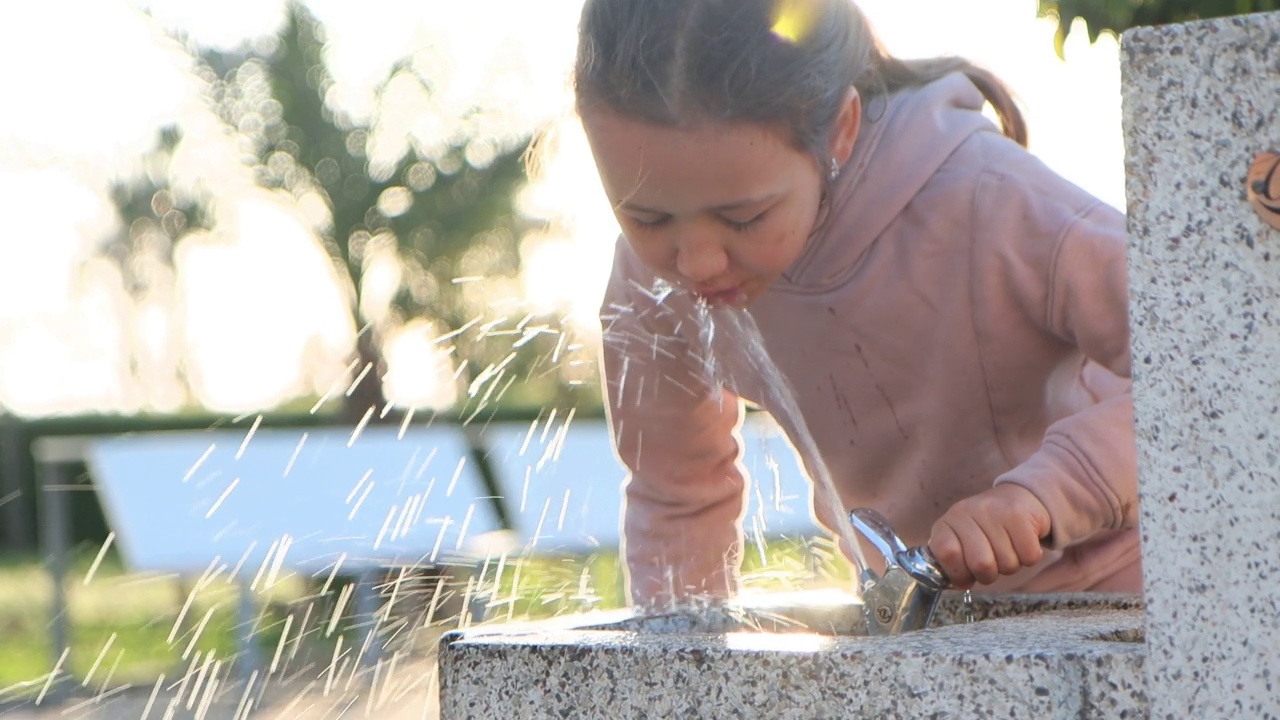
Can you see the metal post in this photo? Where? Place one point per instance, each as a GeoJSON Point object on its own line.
{"type": "Point", "coordinates": [250, 660]}
{"type": "Point", "coordinates": [15, 522]}
{"type": "Point", "coordinates": [366, 611]}
{"type": "Point", "coordinates": [55, 543]}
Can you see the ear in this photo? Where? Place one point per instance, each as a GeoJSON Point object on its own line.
{"type": "Point", "coordinates": [844, 133]}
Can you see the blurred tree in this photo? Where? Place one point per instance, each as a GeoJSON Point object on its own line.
{"type": "Point", "coordinates": [430, 235]}
{"type": "Point", "coordinates": [153, 219]}
{"type": "Point", "coordinates": [1120, 15]}
{"type": "Point", "coordinates": [403, 233]}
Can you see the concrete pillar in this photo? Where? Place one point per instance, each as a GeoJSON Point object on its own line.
{"type": "Point", "coordinates": [1200, 99]}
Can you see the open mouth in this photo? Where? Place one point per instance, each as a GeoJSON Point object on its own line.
{"type": "Point", "coordinates": [730, 296]}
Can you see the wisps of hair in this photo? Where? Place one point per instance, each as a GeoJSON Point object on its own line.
{"type": "Point", "coordinates": [685, 61]}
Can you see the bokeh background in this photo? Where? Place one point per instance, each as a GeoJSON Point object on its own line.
{"type": "Point", "coordinates": [321, 211]}
{"type": "Point", "coordinates": [211, 206]}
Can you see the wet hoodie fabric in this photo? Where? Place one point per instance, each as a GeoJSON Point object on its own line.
{"type": "Point", "coordinates": [958, 318]}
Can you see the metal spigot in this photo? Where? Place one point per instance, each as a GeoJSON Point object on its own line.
{"type": "Point", "coordinates": [905, 596]}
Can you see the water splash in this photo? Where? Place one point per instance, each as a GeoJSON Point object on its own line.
{"type": "Point", "coordinates": [88, 678]}
{"type": "Point", "coordinates": [294, 457]}
{"type": "Point", "coordinates": [196, 466]}
{"type": "Point", "coordinates": [257, 423]}
{"type": "Point", "coordinates": [97, 561]}
{"type": "Point", "coordinates": [360, 426]}
{"type": "Point", "coordinates": [742, 337]}
{"type": "Point", "coordinates": [368, 366]}
{"type": "Point", "coordinates": [151, 700]}
{"type": "Point", "coordinates": [222, 498]}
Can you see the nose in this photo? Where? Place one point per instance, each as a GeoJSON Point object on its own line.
{"type": "Point", "coordinates": [700, 256]}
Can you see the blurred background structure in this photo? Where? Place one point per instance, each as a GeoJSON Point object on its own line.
{"type": "Point", "coordinates": [308, 212]}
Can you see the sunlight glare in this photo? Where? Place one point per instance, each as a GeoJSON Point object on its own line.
{"type": "Point", "coordinates": [224, 25]}
{"type": "Point", "coordinates": [266, 315]}
{"type": "Point", "coordinates": [419, 372]}
{"type": "Point", "coordinates": [778, 642]}
{"type": "Point", "coordinates": [51, 220]}
{"type": "Point", "coordinates": [247, 352]}
{"type": "Point", "coordinates": [793, 19]}
{"type": "Point", "coordinates": [1072, 108]}
{"type": "Point", "coordinates": [90, 91]}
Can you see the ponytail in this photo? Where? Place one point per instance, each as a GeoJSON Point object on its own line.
{"type": "Point", "coordinates": [890, 73]}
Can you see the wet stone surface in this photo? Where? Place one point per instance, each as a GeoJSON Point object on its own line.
{"type": "Point", "coordinates": [1068, 656]}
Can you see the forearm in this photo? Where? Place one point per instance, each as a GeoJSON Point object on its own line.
{"type": "Point", "coordinates": [1085, 473]}
{"type": "Point", "coordinates": [682, 533]}
{"type": "Point", "coordinates": [674, 553]}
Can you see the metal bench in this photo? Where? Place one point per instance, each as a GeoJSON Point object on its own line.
{"type": "Point", "coordinates": [251, 506]}
{"type": "Point", "coordinates": [562, 485]}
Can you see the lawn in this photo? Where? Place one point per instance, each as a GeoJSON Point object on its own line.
{"type": "Point", "coordinates": [123, 625]}
{"type": "Point", "coordinates": [130, 628]}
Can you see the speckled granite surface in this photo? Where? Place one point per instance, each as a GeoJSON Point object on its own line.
{"type": "Point", "coordinates": [1043, 657]}
{"type": "Point", "coordinates": [1199, 100]}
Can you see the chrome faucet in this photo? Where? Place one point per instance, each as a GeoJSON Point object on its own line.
{"type": "Point", "coordinates": [905, 596]}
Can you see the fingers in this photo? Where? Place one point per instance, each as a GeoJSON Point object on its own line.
{"type": "Point", "coordinates": [1026, 543]}
{"type": "Point", "coordinates": [971, 552]}
{"type": "Point", "coordinates": [948, 550]}
{"type": "Point", "coordinates": [988, 535]}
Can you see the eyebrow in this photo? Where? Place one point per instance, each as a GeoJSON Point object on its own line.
{"type": "Point", "coordinates": [718, 208]}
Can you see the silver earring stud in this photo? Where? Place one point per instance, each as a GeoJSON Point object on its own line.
{"type": "Point", "coordinates": [833, 171]}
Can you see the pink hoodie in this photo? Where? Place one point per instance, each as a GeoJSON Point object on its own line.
{"type": "Point", "coordinates": [957, 319]}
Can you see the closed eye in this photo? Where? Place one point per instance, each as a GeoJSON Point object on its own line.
{"type": "Point", "coordinates": [744, 225]}
{"type": "Point", "coordinates": [653, 222]}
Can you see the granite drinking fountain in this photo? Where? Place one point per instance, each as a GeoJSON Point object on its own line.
{"type": "Point", "coordinates": [1200, 101]}
{"type": "Point", "coordinates": [812, 654]}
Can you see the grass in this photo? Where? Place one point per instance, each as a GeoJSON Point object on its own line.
{"type": "Point", "coordinates": [129, 628]}
{"type": "Point", "coordinates": [122, 628]}
{"type": "Point", "coordinates": [549, 587]}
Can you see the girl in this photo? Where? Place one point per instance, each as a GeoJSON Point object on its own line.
{"type": "Point", "coordinates": [950, 313]}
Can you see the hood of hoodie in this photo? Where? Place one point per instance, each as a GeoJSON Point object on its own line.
{"type": "Point", "coordinates": [904, 138]}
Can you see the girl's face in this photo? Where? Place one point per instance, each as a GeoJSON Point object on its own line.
{"type": "Point", "coordinates": [720, 209]}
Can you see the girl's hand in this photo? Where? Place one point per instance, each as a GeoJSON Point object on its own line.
{"type": "Point", "coordinates": [993, 533]}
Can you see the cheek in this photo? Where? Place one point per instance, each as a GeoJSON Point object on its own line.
{"type": "Point", "coordinates": [652, 251]}
{"type": "Point", "coordinates": [795, 238]}
{"type": "Point", "coordinates": [776, 251]}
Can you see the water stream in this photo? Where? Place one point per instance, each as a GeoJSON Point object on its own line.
{"type": "Point", "coordinates": [740, 335]}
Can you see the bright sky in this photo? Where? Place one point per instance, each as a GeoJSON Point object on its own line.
{"type": "Point", "coordinates": [83, 100]}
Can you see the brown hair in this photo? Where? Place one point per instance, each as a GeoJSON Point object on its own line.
{"type": "Point", "coordinates": [786, 63]}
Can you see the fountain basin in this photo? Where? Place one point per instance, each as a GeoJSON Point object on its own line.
{"type": "Point", "coordinates": [1054, 656]}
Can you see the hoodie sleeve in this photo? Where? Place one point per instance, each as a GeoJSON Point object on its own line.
{"type": "Point", "coordinates": [678, 437]}
{"type": "Point", "coordinates": [1070, 279]}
